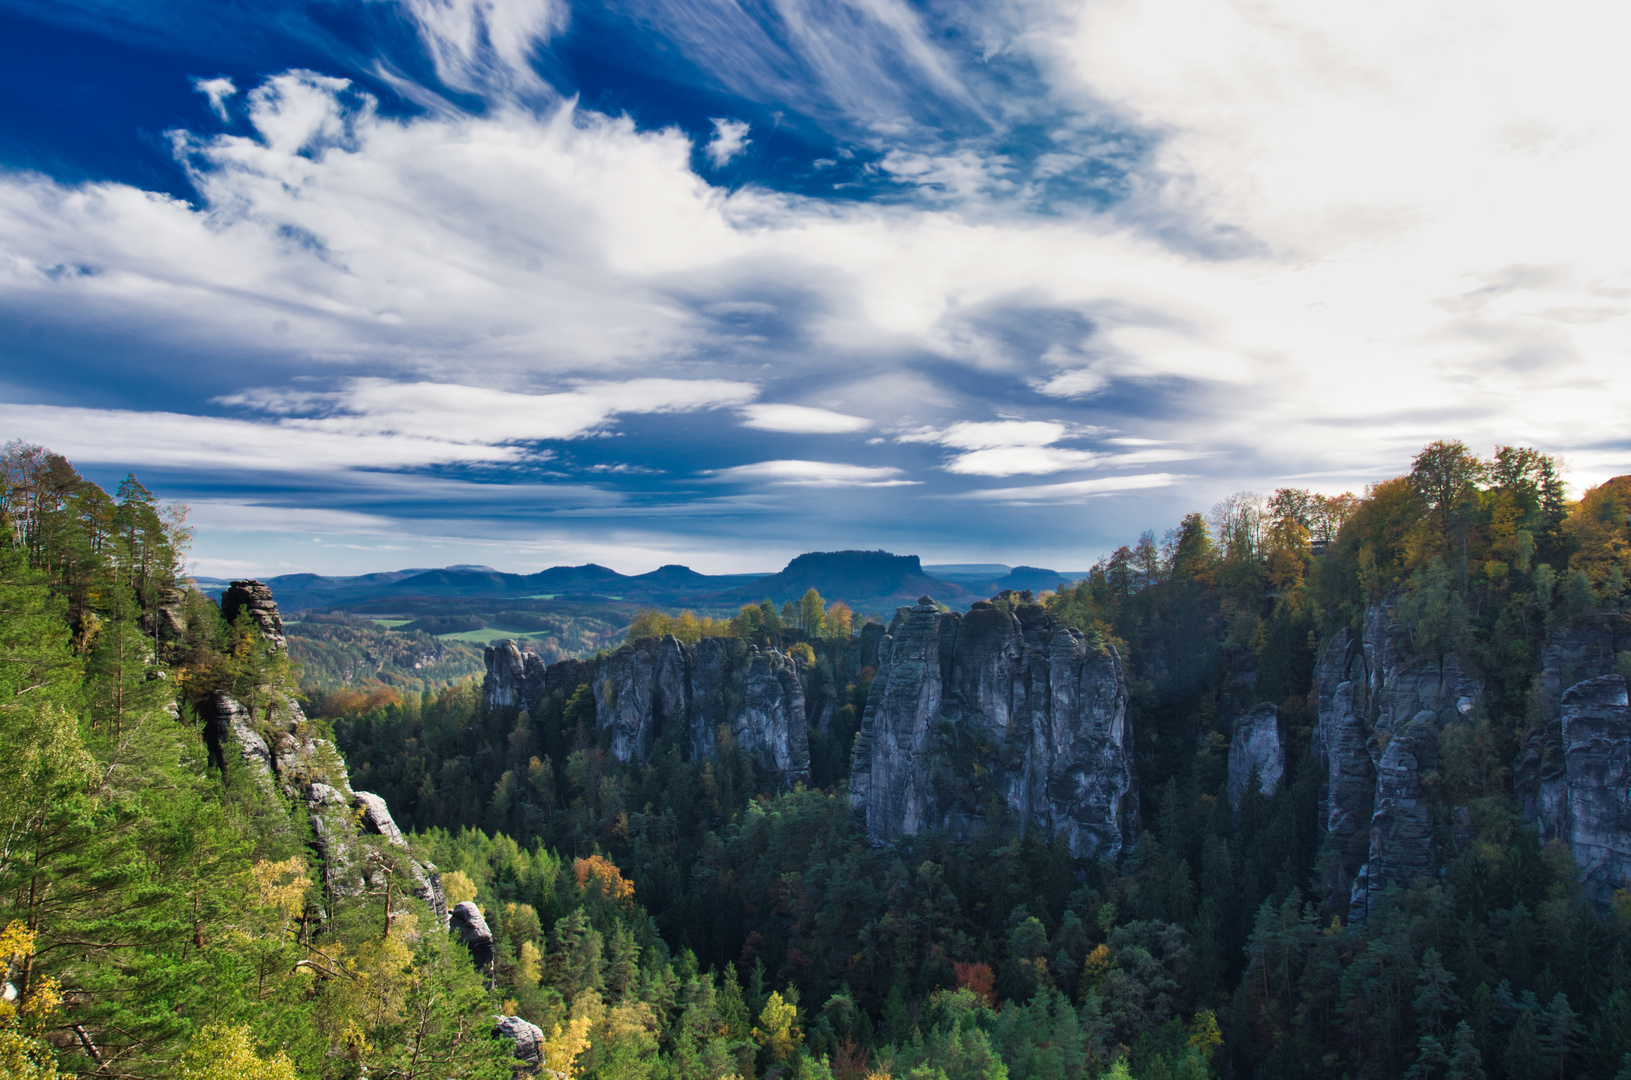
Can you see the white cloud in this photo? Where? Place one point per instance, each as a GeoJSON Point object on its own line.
{"type": "Point", "coordinates": [989, 434]}
{"type": "Point", "coordinates": [1021, 460]}
{"type": "Point", "coordinates": [477, 414]}
{"type": "Point", "coordinates": [802, 419]}
{"type": "Point", "coordinates": [1077, 382]}
{"type": "Point", "coordinates": [814, 474]}
{"type": "Point", "coordinates": [487, 45]}
{"type": "Point", "coordinates": [1360, 229]}
{"type": "Point", "coordinates": [1075, 490]}
{"type": "Point", "coordinates": [217, 90]}
{"type": "Point", "coordinates": [210, 444]}
{"type": "Point", "coordinates": [1007, 447]}
{"type": "Point", "coordinates": [370, 423]}
{"type": "Point", "coordinates": [730, 139]}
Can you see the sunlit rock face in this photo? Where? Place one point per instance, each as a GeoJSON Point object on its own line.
{"type": "Point", "coordinates": [997, 717]}
{"type": "Point", "coordinates": [256, 598]}
{"type": "Point", "coordinates": [275, 748]}
{"type": "Point", "coordinates": [660, 688]}
{"type": "Point", "coordinates": [1382, 709]}
{"type": "Point", "coordinates": [1257, 747]}
{"type": "Point", "coordinates": [470, 927]}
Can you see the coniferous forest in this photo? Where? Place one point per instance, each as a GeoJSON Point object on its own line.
{"type": "Point", "coordinates": [190, 885]}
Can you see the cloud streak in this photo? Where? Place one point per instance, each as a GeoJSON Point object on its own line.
{"type": "Point", "coordinates": [1263, 239]}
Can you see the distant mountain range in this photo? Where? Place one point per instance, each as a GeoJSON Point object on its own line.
{"type": "Point", "coordinates": [866, 580]}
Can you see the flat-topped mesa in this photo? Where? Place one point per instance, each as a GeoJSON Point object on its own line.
{"type": "Point", "coordinates": [1001, 708]}
{"type": "Point", "coordinates": [256, 597]}
{"type": "Point", "coordinates": [661, 687]}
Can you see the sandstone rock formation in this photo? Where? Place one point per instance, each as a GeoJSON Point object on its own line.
{"type": "Point", "coordinates": [257, 599]}
{"type": "Point", "coordinates": [1381, 710]}
{"type": "Point", "coordinates": [466, 923]}
{"type": "Point", "coordinates": [659, 687]}
{"type": "Point", "coordinates": [1257, 743]}
{"type": "Point", "coordinates": [1575, 651]}
{"type": "Point", "coordinates": [1587, 804]}
{"type": "Point", "coordinates": [527, 1037]}
{"type": "Point", "coordinates": [998, 711]}
{"type": "Point", "coordinates": [275, 749]}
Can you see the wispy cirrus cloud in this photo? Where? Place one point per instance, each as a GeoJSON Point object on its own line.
{"type": "Point", "coordinates": [1267, 249]}
{"type": "Point", "coordinates": [820, 474]}
{"type": "Point", "coordinates": [1075, 490]}
{"type": "Point", "coordinates": [1008, 447]}
{"type": "Point", "coordinates": [482, 415]}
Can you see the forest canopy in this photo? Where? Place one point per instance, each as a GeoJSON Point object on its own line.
{"type": "Point", "coordinates": [689, 916]}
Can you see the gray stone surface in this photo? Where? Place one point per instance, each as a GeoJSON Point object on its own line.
{"type": "Point", "coordinates": [257, 598]}
{"type": "Point", "coordinates": [661, 688]}
{"type": "Point", "coordinates": [1381, 710]}
{"type": "Point", "coordinates": [276, 749]}
{"type": "Point", "coordinates": [1596, 801]}
{"type": "Point", "coordinates": [999, 707]}
{"type": "Point", "coordinates": [527, 1037]}
{"type": "Point", "coordinates": [1256, 743]}
{"type": "Point", "coordinates": [1575, 651]}
{"type": "Point", "coordinates": [1401, 836]}
{"type": "Point", "coordinates": [506, 676]}
{"type": "Point", "coordinates": [466, 923]}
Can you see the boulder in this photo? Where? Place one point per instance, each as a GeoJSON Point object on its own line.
{"type": "Point", "coordinates": [1257, 743]}
{"type": "Point", "coordinates": [527, 1037]}
{"type": "Point", "coordinates": [466, 923]}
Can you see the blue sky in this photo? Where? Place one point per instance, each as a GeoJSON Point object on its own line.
{"type": "Point", "coordinates": [523, 282]}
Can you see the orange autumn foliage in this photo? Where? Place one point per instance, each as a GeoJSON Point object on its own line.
{"type": "Point", "coordinates": [978, 978]}
{"type": "Point", "coordinates": [605, 877]}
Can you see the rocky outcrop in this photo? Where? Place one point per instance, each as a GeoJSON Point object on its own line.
{"type": "Point", "coordinates": [1382, 708]}
{"type": "Point", "coordinates": [661, 688]}
{"type": "Point", "coordinates": [256, 598]}
{"type": "Point", "coordinates": [1000, 711]}
{"type": "Point", "coordinates": [1577, 650]}
{"type": "Point", "coordinates": [1587, 803]}
{"type": "Point", "coordinates": [506, 680]}
{"type": "Point", "coordinates": [466, 923]}
{"type": "Point", "coordinates": [275, 748]}
{"type": "Point", "coordinates": [527, 1037]}
{"type": "Point", "coordinates": [1257, 747]}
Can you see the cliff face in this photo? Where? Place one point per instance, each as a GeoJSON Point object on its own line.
{"type": "Point", "coordinates": [1583, 795]}
{"type": "Point", "coordinates": [1258, 744]}
{"type": "Point", "coordinates": [1381, 711]}
{"type": "Point", "coordinates": [660, 687]}
{"type": "Point", "coordinates": [995, 709]}
{"type": "Point", "coordinates": [275, 749]}
{"type": "Point", "coordinates": [1575, 652]}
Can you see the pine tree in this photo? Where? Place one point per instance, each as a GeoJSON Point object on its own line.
{"type": "Point", "coordinates": [1466, 1063]}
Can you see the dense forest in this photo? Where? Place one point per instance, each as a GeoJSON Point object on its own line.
{"type": "Point", "coordinates": [691, 916]}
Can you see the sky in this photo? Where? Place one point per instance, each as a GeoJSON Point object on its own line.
{"type": "Point", "coordinates": [371, 284]}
